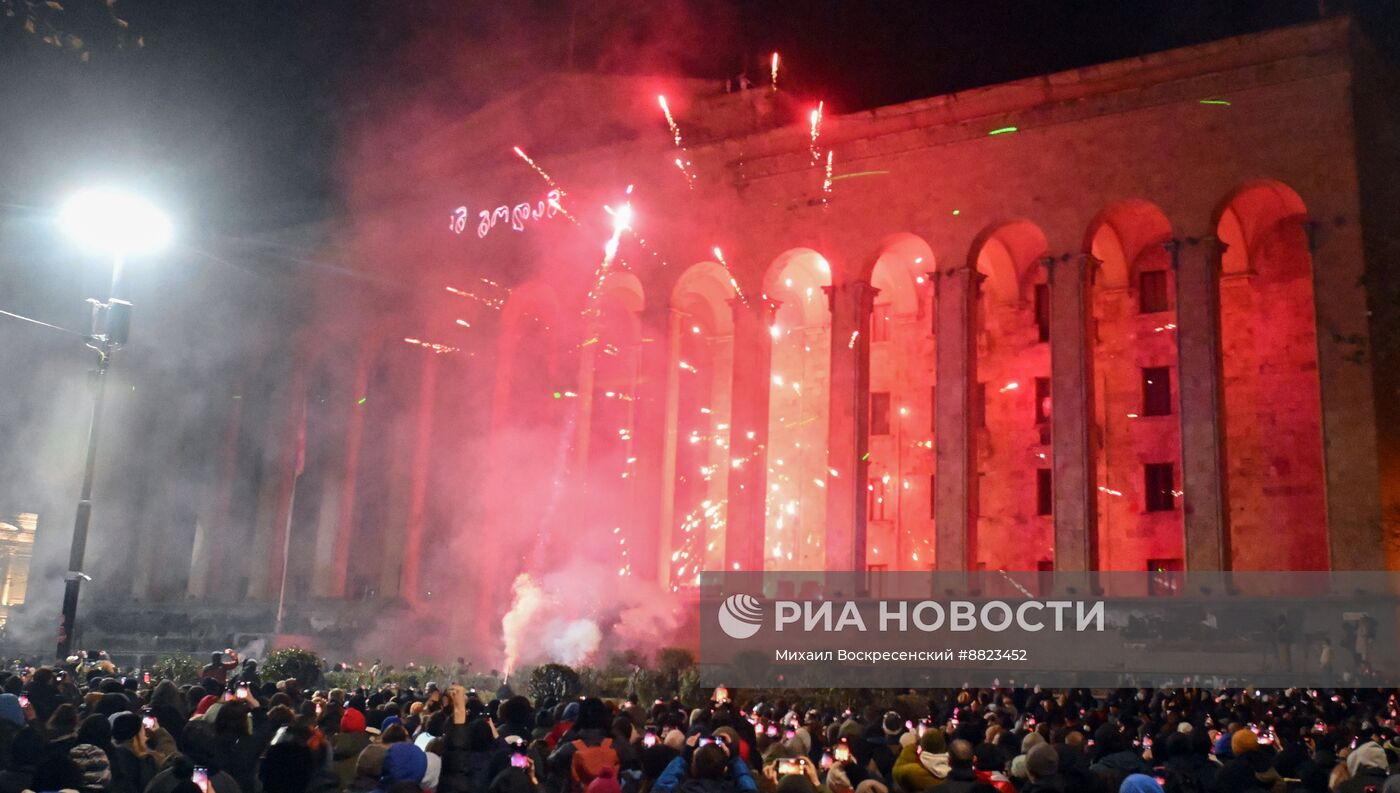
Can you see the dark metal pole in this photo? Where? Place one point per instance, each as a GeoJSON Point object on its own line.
{"type": "Point", "coordinates": [68, 628]}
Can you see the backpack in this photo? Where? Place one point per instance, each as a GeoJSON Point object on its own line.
{"type": "Point", "coordinates": [589, 761]}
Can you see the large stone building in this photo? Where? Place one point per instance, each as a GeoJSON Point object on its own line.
{"type": "Point", "coordinates": [1137, 316]}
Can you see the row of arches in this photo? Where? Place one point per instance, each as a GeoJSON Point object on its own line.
{"type": "Point", "coordinates": [1271, 405]}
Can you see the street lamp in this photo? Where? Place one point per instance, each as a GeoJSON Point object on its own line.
{"type": "Point", "coordinates": [117, 225]}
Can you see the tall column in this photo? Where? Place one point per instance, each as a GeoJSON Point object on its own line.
{"type": "Point", "coordinates": [1197, 265]}
{"type": "Point", "coordinates": [1072, 413]}
{"type": "Point", "coordinates": [849, 428]}
{"type": "Point", "coordinates": [1349, 408]}
{"type": "Point", "coordinates": [662, 360]}
{"type": "Point", "coordinates": [420, 473]}
{"type": "Point", "coordinates": [746, 522]}
{"type": "Point", "coordinates": [955, 437]}
{"type": "Point", "coordinates": [583, 423]}
{"type": "Point", "coordinates": [276, 502]}
{"type": "Point", "coordinates": [212, 526]}
{"type": "Point", "coordinates": [334, 522]}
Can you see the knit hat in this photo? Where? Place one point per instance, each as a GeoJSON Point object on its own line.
{"type": "Point", "coordinates": [1042, 761]}
{"type": "Point", "coordinates": [570, 712]}
{"type": "Point", "coordinates": [1367, 755]}
{"type": "Point", "coordinates": [92, 763]}
{"type": "Point", "coordinates": [1032, 740]}
{"type": "Point", "coordinates": [1243, 741]}
{"type": "Point", "coordinates": [204, 704]}
{"type": "Point", "coordinates": [933, 741]}
{"type": "Point", "coordinates": [871, 786]}
{"type": "Point", "coordinates": [125, 726]}
{"type": "Point", "coordinates": [389, 722]}
{"type": "Point", "coordinates": [404, 762]}
{"type": "Point", "coordinates": [605, 782]}
{"type": "Point", "coordinates": [352, 721]}
{"type": "Point", "coordinates": [1139, 783]}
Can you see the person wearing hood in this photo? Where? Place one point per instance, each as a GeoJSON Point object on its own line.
{"type": "Point", "coordinates": [924, 764]}
{"type": "Point", "coordinates": [1043, 771]}
{"type": "Point", "coordinates": [404, 762]}
{"type": "Point", "coordinates": [1139, 783]}
{"type": "Point", "coordinates": [1367, 766]}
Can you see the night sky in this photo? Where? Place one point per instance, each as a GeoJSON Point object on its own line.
{"type": "Point", "coordinates": [233, 111]}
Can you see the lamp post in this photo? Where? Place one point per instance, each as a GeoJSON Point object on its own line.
{"type": "Point", "coordinates": [116, 225]}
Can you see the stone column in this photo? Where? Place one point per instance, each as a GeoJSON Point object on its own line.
{"type": "Point", "coordinates": [335, 523]}
{"type": "Point", "coordinates": [1072, 412]}
{"type": "Point", "coordinates": [277, 499]}
{"type": "Point", "coordinates": [748, 434]}
{"type": "Point", "coordinates": [849, 424]}
{"type": "Point", "coordinates": [212, 525]}
{"type": "Point", "coordinates": [420, 475]}
{"type": "Point", "coordinates": [654, 433]}
{"type": "Point", "coordinates": [1197, 266]}
{"type": "Point", "coordinates": [1349, 408]}
{"type": "Point", "coordinates": [955, 437]}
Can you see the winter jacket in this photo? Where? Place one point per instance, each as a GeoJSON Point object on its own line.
{"type": "Point", "coordinates": [131, 774]}
{"type": "Point", "coordinates": [677, 778]}
{"type": "Point", "coordinates": [910, 775]}
{"type": "Point", "coordinates": [345, 751]}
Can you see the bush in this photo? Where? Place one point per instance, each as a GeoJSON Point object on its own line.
{"type": "Point", "coordinates": [304, 665]}
{"type": "Point", "coordinates": [555, 681]}
{"type": "Point", "coordinates": [178, 667]}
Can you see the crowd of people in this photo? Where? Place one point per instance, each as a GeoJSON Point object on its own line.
{"type": "Point", "coordinates": [90, 729]}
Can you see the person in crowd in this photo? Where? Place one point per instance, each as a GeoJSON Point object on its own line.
{"type": "Point", "coordinates": [922, 764]}
{"type": "Point", "coordinates": [1367, 767]}
{"type": "Point", "coordinates": [962, 775]}
{"type": "Point", "coordinates": [1043, 771]}
{"type": "Point", "coordinates": [220, 664]}
{"type": "Point", "coordinates": [133, 766]}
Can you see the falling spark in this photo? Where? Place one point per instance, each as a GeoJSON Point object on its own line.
{"type": "Point", "coordinates": [816, 119]}
{"type": "Point", "coordinates": [519, 152]}
{"type": "Point", "coordinates": [773, 70]}
{"type": "Point", "coordinates": [689, 178]}
{"type": "Point", "coordinates": [851, 345]}
{"type": "Point", "coordinates": [1225, 102]}
{"type": "Point", "coordinates": [1002, 131]}
{"type": "Point", "coordinates": [490, 302]}
{"type": "Point", "coordinates": [428, 345]}
{"type": "Point", "coordinates": [826, 183]}
{"type": "Point", "coordinates": [359, 401]}
{"type": "Point", "coordinates": [670, 120]}
{"type": "Point", "coordinates": [733, 282]}
{"type": "Point", "coordinates": [1012, 386]}
{"type": "Point", "coordinates": [464, 323]}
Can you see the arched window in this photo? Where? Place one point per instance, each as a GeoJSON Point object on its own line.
{"type": "Point", "coordinates": [797, 414]}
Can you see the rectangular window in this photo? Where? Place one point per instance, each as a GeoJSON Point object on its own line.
{"type": "Point", "coordinates": [880, 322]}
{"type": "Point", "coordinates": [1042, 311]}
{"type": "Point", "coordinates": [933, 408]}
{"type": "Point", "coordinates": [979, 405]}
{"type": "Point", "coordinates": [1152, 291]}
{"type": "Point", "coordinates": [1044, 492]}
{"type": "Point", "coordinates": [1157, 391]}
{"type": "Point", "coordinates": [1042, 400]}
{"type": "Point", "coordinates": [1157, 484]}
{"type": "Point", "coordinates": [880, 413]}
{"type": "Point", "coordinates": [875, 502]}
{"type": "Point", "coordinates": [932, 496]}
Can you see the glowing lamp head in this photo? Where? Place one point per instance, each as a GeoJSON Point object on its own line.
{"type": "Point", "coordinates": [111, 222]}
